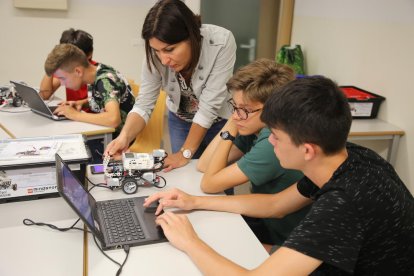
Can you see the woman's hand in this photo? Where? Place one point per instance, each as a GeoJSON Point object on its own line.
{"type": "Point", "coordinates": [116, 147]}
{"type": "Point", "coordinates": [175, 160]}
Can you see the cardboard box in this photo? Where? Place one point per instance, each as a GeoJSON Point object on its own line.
{"type": "Point", "coordinates": [364, 104]}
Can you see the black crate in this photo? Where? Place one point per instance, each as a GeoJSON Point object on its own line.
{"type": "Point", "coordinates": [364, 104]}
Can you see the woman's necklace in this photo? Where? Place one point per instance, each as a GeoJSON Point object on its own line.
{"type": "Point", "coordinates": [182, 81]}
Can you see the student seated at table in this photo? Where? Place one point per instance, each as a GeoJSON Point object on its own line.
{"type": "Point", "coordinates": [241, 152]}
{"type": "Point", "coordinates": [111, 98]}
{"type": "Point", "coordinates": [49, 84]}
{"type": "Point", "coordinates": [362, 218]}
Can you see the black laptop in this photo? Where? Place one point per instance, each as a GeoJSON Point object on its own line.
{"type": "Point", "coordinates": [115, 223]}
{"type": "Point", "coordinates": [35, 102]}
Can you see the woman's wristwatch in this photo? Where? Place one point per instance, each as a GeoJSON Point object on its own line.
{"type": "Point", "coordinates": [187, 154]}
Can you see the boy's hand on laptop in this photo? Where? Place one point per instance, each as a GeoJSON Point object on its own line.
{"type": "Point", "coordinates": [75, 104]}
{"type": "Point", "coordinates": [178, 230]}
{"type": "Point", "coordinates": [66, 110]}
{"type": "Point", "coordinates": [172, 198]}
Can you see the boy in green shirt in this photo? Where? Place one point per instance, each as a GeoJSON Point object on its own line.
{"type": "Point", "coordinates": [242, 152]}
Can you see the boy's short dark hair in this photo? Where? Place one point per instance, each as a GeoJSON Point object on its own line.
{"type": "Point", "coordinates": [79, 38]}
{"type": "Point", "coordinates": [310, 110]}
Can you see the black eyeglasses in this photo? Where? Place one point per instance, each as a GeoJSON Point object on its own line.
{"type": "Point", "coordinates": [242, 112]}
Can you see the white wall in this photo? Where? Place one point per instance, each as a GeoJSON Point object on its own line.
{"type": "Point", "coordinates": [27, 36]}
{"type": "Point", "coordinates": [369, 44]}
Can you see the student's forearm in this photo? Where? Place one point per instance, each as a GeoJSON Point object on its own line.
{"type": "Point", "coordinates": [208, 154]}
{"type": "Point", "coordinates": [283, 262]}
{"type": "Point", "coordinates": [47, 87]}
{"type": "Point", "coordinates": [211, 263]}
{"type": "Point", "coordinates": [103, 119]}
{"type": "Point", "coordinates": [219, 157]}
{"type": "Point", "coordinates": [205, 158]}
{"type": "Point", "coordinates": [253, 205]}
{"type": "Point", "coordinates": [45, 93]}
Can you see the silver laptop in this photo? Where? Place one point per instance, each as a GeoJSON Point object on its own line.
{"type": "Point", "coordinates": [115, 223]}
{"type": "Point", "coordinates": [35, 102]}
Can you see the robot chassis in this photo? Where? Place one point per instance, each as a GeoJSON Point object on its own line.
{"type": "Point", "coordinates": [134, 170]}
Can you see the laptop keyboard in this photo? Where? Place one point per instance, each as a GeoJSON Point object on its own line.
{"type": "Point", "coordinates": [121, 222]}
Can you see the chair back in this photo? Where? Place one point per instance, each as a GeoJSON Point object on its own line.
{"type": "Point", "coordinates": [151, 136]}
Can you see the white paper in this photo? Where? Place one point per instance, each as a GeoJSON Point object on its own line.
{"type": "Point", "coordinates": [19, 150]}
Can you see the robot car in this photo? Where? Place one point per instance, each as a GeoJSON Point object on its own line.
{"type": "Point", "coordinates": [134, 170]}
{"type": "Point", "coordinates": [9, 97]}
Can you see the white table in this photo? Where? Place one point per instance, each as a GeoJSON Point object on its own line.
{"type": "Point", "coordinates": [21, 122]}
{"type": "Point", "coordinates": [227, 233]}
{"type": "Point", "coordinates": [38, 250]}
{"type": "Point", "coordinates": [376, 129]}
{"type": "Point", "coordinates": [4, 134]}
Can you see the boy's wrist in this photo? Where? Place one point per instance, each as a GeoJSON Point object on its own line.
{"type": "Point", "coordinates": [196, 203]}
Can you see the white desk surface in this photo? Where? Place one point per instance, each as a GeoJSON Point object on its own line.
{"type": "Point", "coordinates": [373, 127]}
{"type": "Point", "coordinates": [38, 250]}
{"type": "Point", "coordinates": [376, 129]}
{"type": "Point", "coordinates": [3, 134]}
{"type": "Point", "coordinates": [28, 124]}
{"type": "Point", "coordinates": [227, 233]}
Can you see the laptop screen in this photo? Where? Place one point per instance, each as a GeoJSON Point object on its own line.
{"type": "Point", "coordinates": [75, 194]}
{"type": "Point", "coordinates": [32, 98]}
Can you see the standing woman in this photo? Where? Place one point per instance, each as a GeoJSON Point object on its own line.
{"type": "Point", "coordinates": [192, 63]}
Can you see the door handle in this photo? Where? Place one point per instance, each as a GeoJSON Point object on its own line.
{"type": "Point", "coordinates": [251, 47]}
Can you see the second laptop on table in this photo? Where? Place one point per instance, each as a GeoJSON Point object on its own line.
{"type": "Point", "coordinates": [35, 102]}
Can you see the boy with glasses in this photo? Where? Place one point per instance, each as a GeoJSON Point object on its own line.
{"type": "Point", "coordinates": [242, 152]}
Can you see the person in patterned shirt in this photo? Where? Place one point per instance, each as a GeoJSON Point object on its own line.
{"type": "Point", "coordinates": [49, 85]}
{"type": "Point", "coordinates": [362, 218]}
{"type": "Point", "coordinates": [111, 97]}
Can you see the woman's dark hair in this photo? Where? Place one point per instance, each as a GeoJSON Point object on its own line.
{"type": "Point", "coordinates": [79, 38]}
{"type": "Point", "coordinates": [171, 22]}
{"type": "Point", "coordinates": [310, 110]}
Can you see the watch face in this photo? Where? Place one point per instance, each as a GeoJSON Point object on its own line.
{"type": "Point", "coordinates": [225, 135]}
{"type": "Point", "coordinates": [187, 153]}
